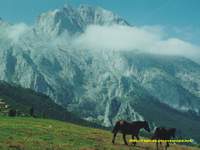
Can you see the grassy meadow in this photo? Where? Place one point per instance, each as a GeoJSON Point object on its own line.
{"type": "Point", "coordinates": [23, 133]}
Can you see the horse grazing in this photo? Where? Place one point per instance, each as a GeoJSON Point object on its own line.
{"type": "Point", "coordinates": [132, 128]}
{"type": "Point", "coordinates": [162, 133]}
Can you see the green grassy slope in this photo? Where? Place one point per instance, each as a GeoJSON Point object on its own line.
{"type": "Point", "coordinates": [43, 134]}
{"type": "Point", "coordinates": [23, 99]}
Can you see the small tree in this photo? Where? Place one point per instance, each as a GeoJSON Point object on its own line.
{"type": "Point", "coordinates": [12, 113]}
{"type": "Point", "coordinates": [32, 112]}
{"type": "Point", "coordinates": [43, 115]}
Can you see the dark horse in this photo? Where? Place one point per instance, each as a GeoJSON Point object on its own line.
{"type": "Point", "coordinates": [162, 133]}
{"type": "Point", "coordinates": [132, 128]}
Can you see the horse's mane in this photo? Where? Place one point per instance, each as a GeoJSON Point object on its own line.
{"type": "Point", "coordinates": [127, 122]}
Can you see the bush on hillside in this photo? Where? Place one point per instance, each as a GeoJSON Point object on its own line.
{"type": "Point", "coordinates": [12, 113]}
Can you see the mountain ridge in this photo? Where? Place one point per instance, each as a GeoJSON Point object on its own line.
{"type": "Point", "coordinates": [74, 20]}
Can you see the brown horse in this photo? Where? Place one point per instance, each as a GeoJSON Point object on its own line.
{"type": "Point", "coordinates": [132, 128]}
{"type": "Point", "coordinates": [162, 133]}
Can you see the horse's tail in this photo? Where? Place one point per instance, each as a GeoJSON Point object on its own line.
{"type": "Point", "coordinates": [116, 127]}
{"type": "Point", "coordinates": [113, 130]}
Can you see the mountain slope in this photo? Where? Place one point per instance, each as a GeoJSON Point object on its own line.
{"type": "Point", "coordinates": [23, 99]}
{"type": "Point", "coordinates": [173, 80]}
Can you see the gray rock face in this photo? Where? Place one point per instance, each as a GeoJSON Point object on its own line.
{"type": "Point", "coordinates": [75, 20]}
{"type": "Point", "coordinates": [101, 86]}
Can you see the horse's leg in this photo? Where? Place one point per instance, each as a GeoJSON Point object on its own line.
{"type": "Point", "coordinates": [137, 136]}
{"type": "Point", "coordinates": [124, 138]}
{"type": "Point", "coordinates": [132, 136]}
{"type": "Point", "coordinates": [133, 139]}
{"type": "Point", "coordinates": [137, 139]}
{"type": "Point", "coordinates": [114, 135]}
{"type": "Point", "coordinates": [157, 144]}
{"type": "Point", "coordinates": [167, 145]}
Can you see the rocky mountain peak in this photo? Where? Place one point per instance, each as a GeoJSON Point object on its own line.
{"type": "Point", "coordinates": [74, 20]}
{"type": "Point", "coordinates": [99, 16]}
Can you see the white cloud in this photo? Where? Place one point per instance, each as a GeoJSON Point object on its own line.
{"type": "Point", "coordinates": [115, 37]}
{"type": "Point", "coordinates": [151, 39]}
{"type": "Point", "coordinates": [14, 32]}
